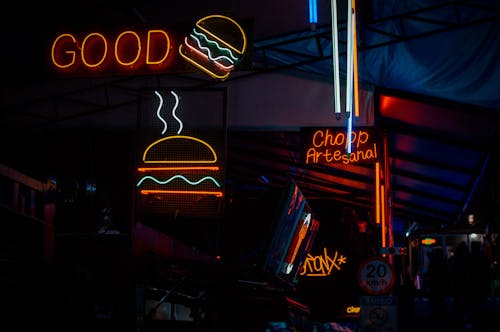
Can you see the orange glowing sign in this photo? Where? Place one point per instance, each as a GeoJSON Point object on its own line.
{"type": "Point", "coordinates": [177, 159]}
{"type": "Point", "coordinates": [205, 152]}
{"type": "Point", "coordinates": [97, 52]}
{"type": "Point", "coordinates": [428, 241]}
{"type": "Point", "coordinates": [215, 46]}
{"type": "Point", "coordinates": [322, 265]}
{"type": "Point", "coordinates": [353, 309]}
{"type": "Point", "coordinates": [178, 175]}
{"type": "Point", "coordinates": [328, 145]}
{"type": "Point", "coordinates": [194, 192]}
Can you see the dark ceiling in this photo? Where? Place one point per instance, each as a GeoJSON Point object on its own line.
{"type": "Point", "coordinates": [441, 134]}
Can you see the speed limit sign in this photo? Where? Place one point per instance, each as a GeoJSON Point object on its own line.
{"type": "Point", "coordinates": [375, 276]}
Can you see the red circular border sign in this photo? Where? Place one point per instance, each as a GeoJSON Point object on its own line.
{"type": "Point", "coordinates": [376, 276]}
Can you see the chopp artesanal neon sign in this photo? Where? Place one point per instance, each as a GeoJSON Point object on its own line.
{"type": "Point", "coordinates": [216, 45]}
{"type": "Point", "coordinates": [328, 145]}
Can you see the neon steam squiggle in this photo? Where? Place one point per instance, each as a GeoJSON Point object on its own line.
{"type": "Point", "coordinates": [173, 111]}
{"type": "Point", "coordinates": [160, 105]}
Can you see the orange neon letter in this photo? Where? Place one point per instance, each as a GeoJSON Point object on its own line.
{"type": "Point", "coordinates": [55, 58]}
{"type": "Point", "coordinates": [118, 49]}
{"type": "Point", "coordinates": [90, 43]}
{"type": "Point", "coordinates": [155, 35]}
{"type": "Point", "coordinates": [316, 134]}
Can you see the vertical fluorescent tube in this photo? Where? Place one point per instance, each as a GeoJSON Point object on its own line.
{"type": "Point", "coordinates": [313, 12]}
{"type": "Point", "coordinates": [387, 202]}
{"type": "Point", "coordinates": [349, 134]}
{"type": "Point", "coordinates": [348, 94]}
{"type": "Point", "coordinates": [377, 192]}
{"type": "Point", "coordinates": [382, 213]}
{"type": "Point", "coordinates": [349, 87]}
{"type": "Point", "coordinates": [355, 60]}
{"type": "Point", "coordinates": [335, 56]}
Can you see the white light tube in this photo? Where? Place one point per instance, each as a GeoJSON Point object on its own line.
{"type": "Point", "coordinates": [349, 68]}
{"type": "Point", "coordinates": [335, 56]}
{"type": "Point", "coordinates": [355, 60]}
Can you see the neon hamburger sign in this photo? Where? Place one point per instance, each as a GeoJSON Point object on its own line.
{"type": "Point", "coordinates": [178, 164]}
{"type": "Point", "coordinates": [179, 170]}
{"type": "Point", "coordinates": [216, 45]}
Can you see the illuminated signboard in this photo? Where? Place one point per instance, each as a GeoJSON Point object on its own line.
{"type": "Point", "coordinates": [216, 46]}
{"type": "Point", "coordinates": [301, 241]}
{"type": "Point", "coordinates": [95, 52]}
{"type": "Point", "coordinates": [328, 146]}
{"type": "Point", "coordinates": [294, 232]}
{"type": "Point", "coordinates": [428, 241]}
{"type": "Point", "coordinates": [353, 310]}
{"type": "Point", "coordinates": [322, 265]}
{"type": "Point", "coordinates": [180, 171]}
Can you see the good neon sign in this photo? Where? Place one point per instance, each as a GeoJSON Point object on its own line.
{"type": "Point", "coordinates": [216, 46]}
{"type": "Point", "coordinates": [129, 50]}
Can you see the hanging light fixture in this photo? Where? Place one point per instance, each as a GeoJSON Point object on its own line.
{"type": "Point", "coordinates": [335, 56]}
{"type": "Point", "coordinates": [352, 95]}
{"type": "Point", "coordinates": [313, 13]}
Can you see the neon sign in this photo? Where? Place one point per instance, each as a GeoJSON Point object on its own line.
{"type": "Point", "coordinates": [201, 148]}
{"type": "Point", "coordinates": [353, 309]}
{"type": "Point", "coordinates": [215, 46]}
{"type": "Point", "coordinates": [327, 146]}
{"type": "Point", "coordinates": [95, 52]}
{"type": "Point", "coordinates": [428, 241]}
{"type": "Point", "coordinates": [178, 164]}
{"type": "Point", "coordinates": [322, 265]}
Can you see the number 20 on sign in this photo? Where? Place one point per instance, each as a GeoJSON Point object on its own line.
{"type": "Point", "coordinates": [376, 276]}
